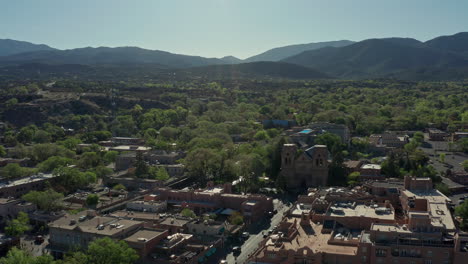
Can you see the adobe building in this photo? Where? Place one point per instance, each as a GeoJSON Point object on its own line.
{"type": "Point", "coordinates": [21, 186]}
{"type": "Point", "coordinates": [76, 231]}
{"type": "Point", "coordinates": [10, 208]}
{"type": "Point", "coordinates": [309, 169]}
{"type": "Point", "coordinates": [437, 134]}
{"type": "Point", "coordinates": [388, 140]}
{"type": "Point", "coordinates": [252, 206]}
{"type": "Point", "coordinates": [354, 232]}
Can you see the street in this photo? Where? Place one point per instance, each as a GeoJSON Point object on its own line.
{"type": "Point", "coordinates": [252, 243]}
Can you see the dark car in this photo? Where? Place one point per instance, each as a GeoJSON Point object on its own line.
{"type": "Point", "coordinates": [236, 250]}
{"type": "Point", "coordinates": [39, 239]}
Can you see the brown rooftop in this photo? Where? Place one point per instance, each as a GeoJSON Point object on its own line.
{"type": "Point", "coordinates": [352, 163]}
{"type": "Point", "coordinates": [311, 237]}
{"type": "Point", "coordinates": [143, 236]}
{"type": "Point", "coordinates": [175, 221]}
{"type": "Point", "coordinates": [100, 225]}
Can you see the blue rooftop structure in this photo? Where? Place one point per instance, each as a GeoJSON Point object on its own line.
{"type": "Point", "coordinates": [306, 131]}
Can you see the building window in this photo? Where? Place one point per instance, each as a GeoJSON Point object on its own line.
{"type": "Point", "coordinates": [429, 253]}
{"type": "Point", "coordinates": [428, 261]}
{"type": "Point", "coordinates": [380, 252]}
{"type": "Point", "coordinates": [364, 249]}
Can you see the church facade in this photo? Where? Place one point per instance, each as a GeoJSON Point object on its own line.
{"type": "Point", "coordinates": [308, 169]}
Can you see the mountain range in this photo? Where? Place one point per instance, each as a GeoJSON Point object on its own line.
{"type": "Point", "coordinates": [10, 47]}
{"type": "Point", "coordinates": [281, 53]}
{"type": "Point", "coordinates": [442, 58]}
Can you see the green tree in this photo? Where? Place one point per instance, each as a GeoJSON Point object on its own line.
{"type": "Point", "coordinates": [48, 200]}
{"type": "Point", "coordinates": [119, 187]}
{"type": "Point", "coordinates": [419, 137]}
{"type": "Point", "coordinates": [110, 156]}
{"type": "Point", "coordinates": [54, 162]}
{"type": "Point", "coordinates": [443, 188]}
{"type": "Point", "coordinates": [102, 171]}
{"type": "Point", "coordinates": [11, 102]}
{"type": "Point", "coordinates": [442, 157]}
{"type": "Point", "coordinates": [72, 178]}
{"type": "Point", "coordinates": [188, 213]}
{"type": "Point", "coordinates": [202, 163]}
{"type": "Point", "coordinates": [18, 256]}
{"type": "Point", "coordinates": [462, 211]}
{"type": "Point", "coordinates": [261, 135]}
{"type": "Point", "coordinates": [463, 144]}
{"type": "Point", "coordinates": [332, 141]}
{"type": "Point", "coordinates": [236, 219]}
{"type": "Point", "coordinates": [14, 170]}
{"type": "Point", "coordinates": [141, 168]}
{"type": "Point", "coordinates": [390, 166]}
{"type": "Point", "coordinates": [2, 151]}
{"type": "Point", "coordinates": [108, 251]}
{"type": "Point", "coordinates": [18, 226]}
{"type": "Point", "coordinates": [92, 200]}
{"type": "Point", "coordinates": [70, 143]}
{"type": "Point", "coordinates": [465, 165]}
{"type": "Point", "coordinates": [89, 160]}
{"type": "Point", "coordinates": [26, 134]}
{"type": "Point", "coordinates": [162, 174]}
{"type": "Point", "coordinates": [41, 152]}
{"type": "Point", "coordinates": [353, 177]}
{"type": "Point", "coordinates": [150, 133]}
{"type": "Point", "coordinates": [42, 136]}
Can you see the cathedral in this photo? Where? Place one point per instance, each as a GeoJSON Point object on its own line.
{"type": "Point", "coordinates": [304, 170]}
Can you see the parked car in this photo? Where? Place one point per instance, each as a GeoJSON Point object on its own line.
{"type": "Point", "coordinates": [39, 239]}
{"type": "Point", "coordinates": [236, 250]}
{"type": "Point", "coordinates": [245, 235]}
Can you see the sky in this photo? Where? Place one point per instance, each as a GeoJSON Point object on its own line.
{"type": "Point", "coordinates": [217, 28]}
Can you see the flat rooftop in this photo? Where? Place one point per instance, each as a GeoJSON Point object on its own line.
{"type": "Point", "coordinates": [136, 215]}
{"type": "Point", "coordinates": [26, 180]}
{"type": "Point", "coordinates": [371, 166]}
{"type": "Point", "coordinates": [437, 207]}
{"type": "Point", "coordinates": [129, 148]}
{"type": "Point", "coordinates": [175, 221]}
{"type": "Point", "coordinates": [301, 208]}
{"type": "Point", "coordinates": [362, 211]}
{"type": "Point", "coordinates": [387, 184]}
{"type": "Point", "coordinates": [390, 228]}
{"type": "Point", "coordinates": [144, 236]}
{"type": "Point", "coordinates": [110, 225]}
{"type": "Point", "coordinates": [214, 190]}
{"type": "Point", "coordinates": [312, 238]}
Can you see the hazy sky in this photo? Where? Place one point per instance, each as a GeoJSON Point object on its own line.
{"type": "Point", "coordinates": [215, 28]}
